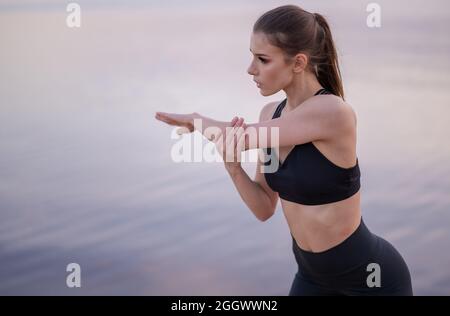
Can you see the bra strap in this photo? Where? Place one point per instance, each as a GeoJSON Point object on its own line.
{"type": "Point", "coordinates": [279, 109]}
{"type": "Point", "coordinates": [322, 91]}
{"type": "Point", "coordinates": [283, 103]}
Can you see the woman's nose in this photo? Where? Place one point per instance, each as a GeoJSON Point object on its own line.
{"type": "Point", "coordinates": [250, 70]}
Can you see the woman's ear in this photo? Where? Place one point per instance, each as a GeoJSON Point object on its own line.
{"type": "Point", "coordinates": [300, 62]}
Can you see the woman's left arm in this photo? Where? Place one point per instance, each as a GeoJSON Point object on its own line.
{"type": "Point", "coordinates": [313, 120]}
{"type": "Point", "coordinates": [309, 122]}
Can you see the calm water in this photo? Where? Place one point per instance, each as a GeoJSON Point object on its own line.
{"type": "Point", "coordinates": [86, 174]}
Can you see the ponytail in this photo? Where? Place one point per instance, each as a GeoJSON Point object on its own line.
{"type": "Point", "coordinates": [327, 66]}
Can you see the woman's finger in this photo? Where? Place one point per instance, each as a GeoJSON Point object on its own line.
{"type": "Point", "coordinates": [214, 137]}
{"type": "Point", "coordinates": [232, 141]}
{"type": "Point", "coordinates": [230, 135]}
{"type": "Point", "coordinates": [240, 146]}
{"type": "Point", "coordinates": [239, 128]}
{"type": "Point", "coordinates": [239, 124]}
{"type": "Point", "coordinates": [233, 132]}
{"type": "Point", "coordinates": [240, 140]}
{"type": "Point", "coordinates": [242, 123]}
{"type": "Point", "coordinates": [167, 120]}
{"type": "Point", "coordinates": [173, 118]}
{"type": "Point", "coordinates": [244, 127]}
{"type": "Point", "coordinates": [227, 143]}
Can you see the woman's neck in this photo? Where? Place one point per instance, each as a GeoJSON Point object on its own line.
{"type": "Point", "coordinates": [303, 87]}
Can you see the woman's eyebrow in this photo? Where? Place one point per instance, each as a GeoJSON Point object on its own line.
{"type": "Point", "coordinates": [259, 54]}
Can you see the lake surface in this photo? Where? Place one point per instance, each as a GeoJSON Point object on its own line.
{"type": "Point", "coordinates": [86, 174]}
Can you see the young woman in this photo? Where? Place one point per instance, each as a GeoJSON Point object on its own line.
{"type": "Point", "coordinates": [317, 178]}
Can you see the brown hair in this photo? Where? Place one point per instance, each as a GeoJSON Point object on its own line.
{"type": "Point", "coordinates": [295, 30]}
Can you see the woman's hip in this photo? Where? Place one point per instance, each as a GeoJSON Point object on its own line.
{"type": "Point", "coordinates": [362, 263]}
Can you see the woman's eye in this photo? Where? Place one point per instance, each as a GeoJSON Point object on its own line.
{"type": "Point", "coordinates": [263, 60]}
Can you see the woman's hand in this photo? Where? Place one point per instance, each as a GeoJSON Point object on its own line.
{"type": "Point", "coordinates": [229, 138]}
{"type": "Point", "coordinates": [231, 146]}
{"type": "Point", "coordinates": [186, 121]}
{"type": "Point", "coordinates": [208, 127]}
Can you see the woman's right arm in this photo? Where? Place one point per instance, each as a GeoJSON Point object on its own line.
{"type": "Point", "coordinates": [256, 194]}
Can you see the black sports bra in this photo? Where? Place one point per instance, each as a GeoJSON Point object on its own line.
{"type": "Point", "coordinates": [307, 177]}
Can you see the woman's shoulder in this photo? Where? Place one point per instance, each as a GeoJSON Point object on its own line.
{"type": "Point", "coordinates": [329, 100]}
{"type": "Point", "coordinates": [332, 105]}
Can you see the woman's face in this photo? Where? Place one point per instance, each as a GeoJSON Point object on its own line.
{"type": "Point", "coordinates": [268, 67]}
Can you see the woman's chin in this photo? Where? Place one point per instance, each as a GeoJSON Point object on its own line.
{"type": "Point", "coordinates": [265, 92]}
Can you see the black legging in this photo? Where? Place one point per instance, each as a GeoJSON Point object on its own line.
{"type": "Point", "coordinates": [346, 269]}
